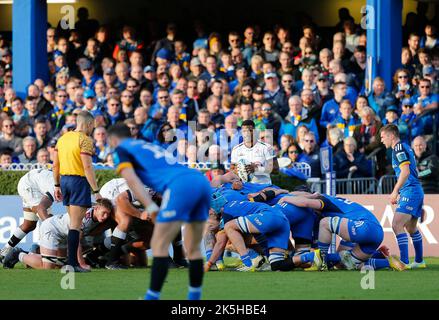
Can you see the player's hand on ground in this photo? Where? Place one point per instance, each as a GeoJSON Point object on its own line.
{"type": "Point", "coordinates": [394, 198]}
{"type": "Point", "coordinates": [58, 194]}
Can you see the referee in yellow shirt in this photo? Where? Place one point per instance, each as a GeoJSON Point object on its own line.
{"type": "Point", "coordinates": [74, 175]}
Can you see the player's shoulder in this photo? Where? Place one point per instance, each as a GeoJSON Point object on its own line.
{"type": "Point", "coordinates": [238, 146]}
{"type": "Point", "coordinates": [399, 147]}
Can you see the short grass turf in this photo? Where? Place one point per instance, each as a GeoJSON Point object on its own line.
{"type": "Point", "coordinates": [101, 284]}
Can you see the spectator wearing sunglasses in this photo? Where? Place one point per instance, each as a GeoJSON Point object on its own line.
{"type": "Point", "coordinates": [403, 88]}
{"type": "Point", "coordinates": [89, 77]}
{"type": "Point", "coordinates": [57, 116]}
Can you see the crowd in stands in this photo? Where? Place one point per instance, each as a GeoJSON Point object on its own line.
{"type": "Point", "coordinates": [193, 97]}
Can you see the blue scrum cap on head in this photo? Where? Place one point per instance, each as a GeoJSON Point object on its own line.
{"type": "Point", "coordinates": [217, 201]}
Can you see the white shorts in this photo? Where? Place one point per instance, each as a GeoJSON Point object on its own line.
{"type": "Point", "coordinates": [30, 197]}
{"type": "Point", "coordinates": [50, 237]}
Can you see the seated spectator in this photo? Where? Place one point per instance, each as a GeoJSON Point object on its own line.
{"type": "Point", "coordinates": [347, 120]}
{"type": "Point", "coordinates": [134, 129]}
{"type": "Point", "coordinates": [41, 133]}
{"type": "Point", "coordinates": [430, 40]}
{"type": "Point", "coordinates": [29, 151]}
{"type": "Point", "coordinates": [9, 139]}
{"type": "Point", "coordinates": [181, 129]}
{"type": "Point", "coordinates": [270, 119]}
{"type": "Point", "coordinates": [160, 108]}
{"type": "Point", "coordinates": [334, 139]}
{"type": "Point", "coordinates": [5, 157]}
{"type": "Point", "coordinates": [247, 113]}
{"type": "Point", "coordinates": [19, 113]}
{"type": "Point", "coordinates": [427, 164]}
{"type": "Point", "coordinates": [286, 141]}
{"type": "Point", "coordinates": [274, 94]}
{"type": "Point", "coordinates": [129, 43]}
{"type": "Point", "coordinates": [148, 127]}
{"type": "Point", "coordinates": [230, 136]}
{"type": "Point", "coordinates": [331, 108]}
{"type": "Point", "coordinates": [296, 117]}
{"type": "Point", "coordinates": [425, 103]}
{"type": "Point", "coordinates": [403, 88]}
{"type": "Point", "coordinates": [90, 103]}
{"type": "Point", "coordinates": [349, 160]}
{"type": "Point", "coordinates": [113, 113]}
{"type": "Point", "coordinates": [102, 148]}
{"type": "Point", "coordinates": [43, 157]}
{"type": "Point", "coordinates": [311, 154]}
{"type": "Point", "coordinates": [217, 169]}
{"type": "Point", "coordinates": [213, 106]}
{"type": "Point", "coordinates": [378, 98]}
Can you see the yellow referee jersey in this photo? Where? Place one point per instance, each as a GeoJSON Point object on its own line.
{"type": "Point", "coordinates": [70, 147]}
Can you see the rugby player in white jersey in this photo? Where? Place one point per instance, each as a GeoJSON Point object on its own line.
{"type": "Point", "coordinates": [53, 238]}
{"type": "Point", "coordinates": [36, 190]}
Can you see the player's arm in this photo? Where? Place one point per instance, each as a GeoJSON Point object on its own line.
{"type": "Point", "coordinates": [42, 209]}
{"type": "Point", "coordinates": [81, 260]}
{"type": "Point", "coordinates": [306, 194]}
{"type": "Point", "coordinates": [137, 187]}
{"type": "Point", "coordinates": [266, 194]}
{"type": "Point", "coordinates": [123, 202]}
{"type": "Point", "coordinates": [218, 249]}
{"type": "Point", "coordinates": [303, 202]}
{"type": "Point", "coordinates": [56, 176]}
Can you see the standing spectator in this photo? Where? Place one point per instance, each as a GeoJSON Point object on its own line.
{"type": "Point", "coordinates": [274, 94]}
{"type": "Point", "coordinates": [427, 164]}
{"type": "Point", "coordinates": [349, 160]}
{"type": "Point", "coordinates": [330, 109]}
{"type": "Point", "coordinates": [269, 52]}
{"type": "Point", "coordinates": [430, 40]}
{"type": "Point", "coordinates": [311, 154]}
{"type": "Point", "coordinates": [129, 43]}
{"type": "Point", "coordinates": [166, 43]}
{"type": "Point", "coordinates": [213, 106]}
{"type": "Point", "coordinates": [29, 151]}
{"type": "Point", "coordinates": [9, 139]}
{"type": "Point", "coordinates": [414, 45]}
{"type": "Point", "coordinates": [260, 156]}
{"type": "Point", "coordinates": [270, 119]}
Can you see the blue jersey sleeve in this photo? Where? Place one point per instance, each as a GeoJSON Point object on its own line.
{"type": "Point", "coordinates": [402, 156]}
{"type": "Point", "coordinates": [122, 159]}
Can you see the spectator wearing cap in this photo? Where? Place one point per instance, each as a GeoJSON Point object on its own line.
{"type": "Point", "coordinates": [346, 120]}
{"type": "Point", "coordinates": [430, 73]}
{"type": "Point", "coordinates": [330, 109]}
{"type": "Point", "coordinates": [274, 94]}
{"type": "Point", "coordinates": [350, 161]}
{"type": "Point", "coordinates": [163, 58]}
{"type": "Point", "coordinates": [310, 154]}
{"type": "Point", "coordinates": [110, 78]}
{"type": "Point", "coordinates": [59, 60]}
{"type": "Point", "coordinates": [89, 77]}
{"type": "Point", "coordinates": [6, 58]}
{"type": "Point", "coordinates": [379, 98]}
{"type": "Point", "coordinates": [149, 74]}
{"type": "Point", "coordinates": [217, 169]}
{"type": "Point", "coordinates": [57, 116]}
{"type": "Point", "coordinates": [29, 151]}
{"type": "Point", "coordinates": [427, 164]}
{"type": "Point", "coordinates": [90, 104]}
{"type": "Point", "coordinates": [391, 116]}
{"type": "Point", "coordinates": [296, 117]}
{"type": "Point", "coordinates": [196, 69]}
{"type": "Point", "coordinates": [324, 92]}
{"type": "Point", "coordinates": [9, 139]}
{"type": "Point", "coordinates": [212, 72]}
{"type": "Point", "coordinates": [129, 43]}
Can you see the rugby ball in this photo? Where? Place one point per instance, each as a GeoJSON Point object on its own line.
{"type": "Point", "coordinates": [242, 173]}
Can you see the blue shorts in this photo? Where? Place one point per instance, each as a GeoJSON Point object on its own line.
{"type": "Point", "coordinates": [411, 202]}
{"type": "Point", "coordinates": [302, 224]}
{"type": "Point", "coordinates": [75, 191]}
{"type": "Point", "coordinates": [186, 199]}
{"type": "Point", "coordinates": [368, 235]}
{"type": "Point", "coordinates": [273, 225]}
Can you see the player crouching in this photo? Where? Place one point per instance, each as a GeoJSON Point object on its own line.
{"type": "Point", "coordinates": [53, 239]}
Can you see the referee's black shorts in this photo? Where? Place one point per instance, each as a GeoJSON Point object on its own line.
{"type": "Point", "coordinates": [76, 191]}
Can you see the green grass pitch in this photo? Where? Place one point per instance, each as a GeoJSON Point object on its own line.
{"type": "Point", "coordinates": [104, 284]}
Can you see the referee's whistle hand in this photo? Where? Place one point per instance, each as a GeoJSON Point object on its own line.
{"type": "Point", "coordinates": [58, 194]}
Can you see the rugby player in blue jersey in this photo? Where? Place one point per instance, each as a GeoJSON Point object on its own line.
{"type": "Point", "coordinates": [185, 200]}
{"type": "Point", "coordinates": [407, 195]}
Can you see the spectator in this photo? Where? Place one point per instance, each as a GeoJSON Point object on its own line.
{"type": "Point", "coordinates": [286, 141]}
{"type": "Point", "coordinates": [134, 129]}
{"type": "Point", "coordinates": [403, 88]}
{"type": "Point", "coordinates": [274, 94]}
{"type": "Point", "coordinates": [378, 98]}
{"type": "Point", "coordinates": [129, 43]}
{"type": "Point", "coordinates": [310, 154]}
{"type": "Point", "coordinates": [271, 120]}
{"type": "Point", "coordinates": [350, 161]}
{"type": "Point", "coordinates": [102, 148]}
{"type": "Point", "coordinates": [29, 154]}
{"type": "Point", "coordinates": [427, 165]}
{"type": "Point", "coordinates": [160, 108]}
{"type": "Point", "coordinates": [331, 108]}
{"type": "Point", "coordinates": [334, 139]}
{"type": "Point", "coordinates": [41, 133]}
{"type": "Point", "coordinates": [213, 106]}
{"type": "Point", "coordinates": [269, 52]}
{"type": "Point", "coordinates": [127, 104]}
{"type": "Point", "coordinates": [43, 157]}
{"type": "Point", "coordinates": [230, 136]}
{"type": "Point", "coordinates": [5, 157]}
{"type": "Point", "coordinates": [217, 169]}
{"type": "Point", "coordinates": [212, 72]}
{"type": "Point", "coordinates": [9, 139]}
{"type": "Point", "coordinates": [347, 120]}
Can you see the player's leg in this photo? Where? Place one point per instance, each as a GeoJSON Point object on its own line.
{"type": "Point", "coordinates": [329, 226]}
{"type": "Point", "coordinates": [193, 234]}
{"type": "Point", "coordinates": [118, 238]}
{"type": "Point", "coordinates": [177, 247]}
{"type": "Point", "coordinates": [29, 224]}
{"type": "Point", "coordinates": [162, 237]}
{"type": "Point", "coordinates": [400, 220]}
{"type": "Point", "coordinates": [412, 229]}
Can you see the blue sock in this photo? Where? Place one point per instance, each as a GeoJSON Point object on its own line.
{"type": "Point", "coordinates": [403, 243]}
{"type": "Point", "coordinates": [333, 258]}
{"type": "Point", "coordinates": [378, 263]}
{"type": "Point", "coordinates": [194, 293]}
{"type": "Point", "coordinates": [324, 248]}
{"type": "Point", "coordinates": [152, 295]}
{"type": "Point", "coordinates": [246, 260]}
{"type": "Point", "coordinates": [208, 254]}
{"type": "Point", "coordinates": [307, 257]}
{"type": "Point", "coordinates": [252, 253]}
{"type": "Point", "coordinates": [417, 243]}
{"type": "Point", "coordinates": [377, 255]}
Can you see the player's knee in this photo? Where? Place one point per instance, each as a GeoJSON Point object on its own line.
{"type": "Point", "coordinates": [324, 223]}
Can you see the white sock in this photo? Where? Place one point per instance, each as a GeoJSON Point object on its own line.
{"type": "Point", "coordinates": [20, 234]}
{"type": "Point", "coordinates": [21, 256]}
